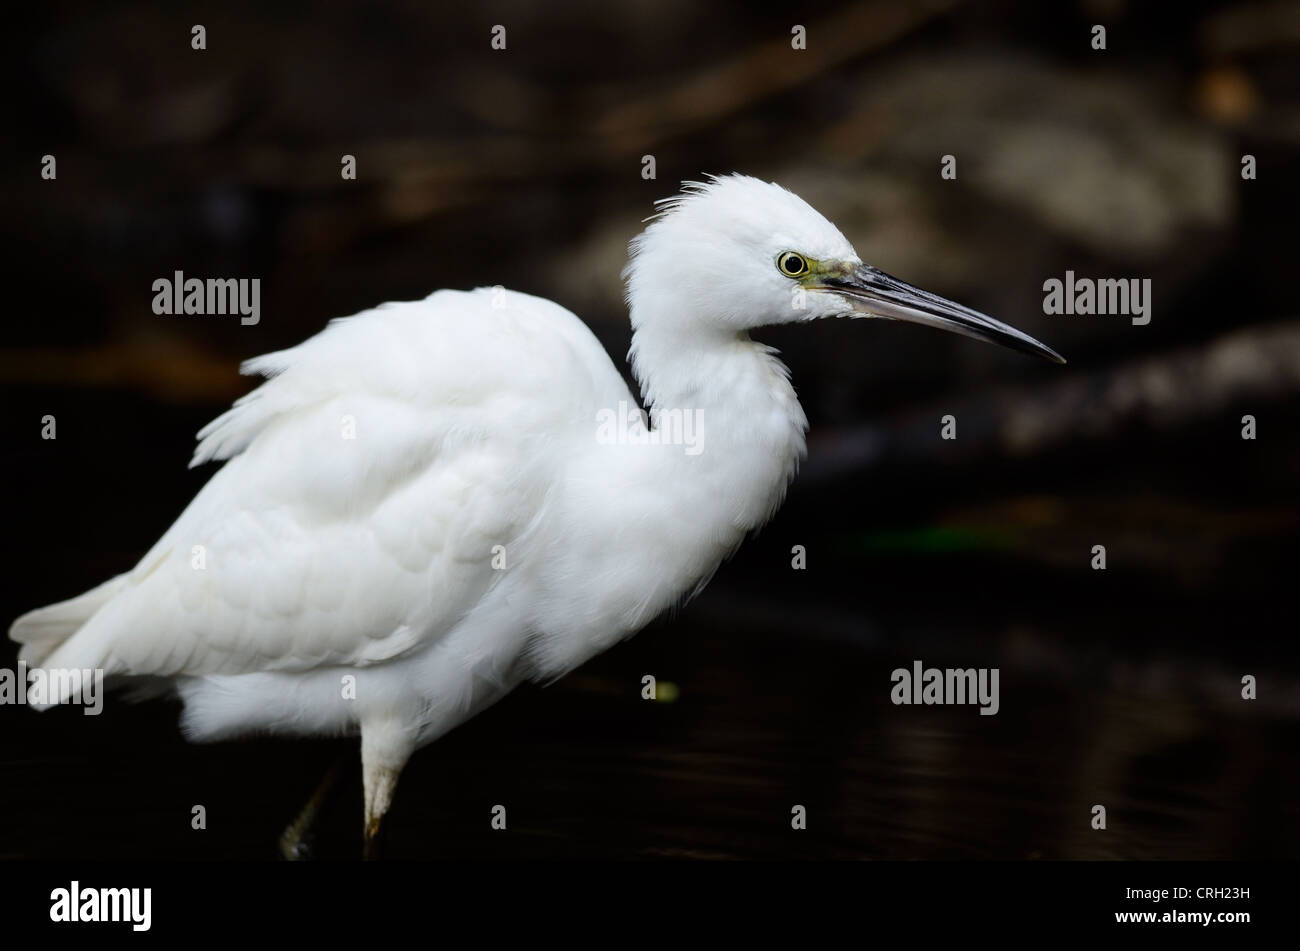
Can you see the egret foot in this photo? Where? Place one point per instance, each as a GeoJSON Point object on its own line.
{"type": "Point", "coordinates": [372, 849]}
{"type": "Point", "coordinates": [386, 745]}
{"type": "Point", "coordinates": [297, 840]}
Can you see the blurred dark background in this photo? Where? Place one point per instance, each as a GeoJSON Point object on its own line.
{"type": "Point", "coordinates": [523, 167]}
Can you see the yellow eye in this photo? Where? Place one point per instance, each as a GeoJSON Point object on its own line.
{"type": "Point", "coordinates": [791, 264]}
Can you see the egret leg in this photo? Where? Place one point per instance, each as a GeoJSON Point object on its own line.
{"type": "Point", "coordinates": [386, 745]}
{"type": "Point", "coordinates": [296, 840]}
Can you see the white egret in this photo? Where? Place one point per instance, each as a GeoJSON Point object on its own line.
{"type": "Point", "coordinates": [417, 512]}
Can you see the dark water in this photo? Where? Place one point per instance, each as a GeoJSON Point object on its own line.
{"type": "Point", "coordinates": [764, 719]}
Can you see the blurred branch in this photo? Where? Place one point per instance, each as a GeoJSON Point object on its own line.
{"type": "Point", "coordinates": [762, 71]}
{"type": "Point", "coordinates": [1166, 391]}
{"type": "Point", "coordinates": [162, 365]}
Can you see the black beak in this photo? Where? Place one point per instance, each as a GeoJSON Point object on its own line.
{"type": "Point", "coordinates": [875, 293]}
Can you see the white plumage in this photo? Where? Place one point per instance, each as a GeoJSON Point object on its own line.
{"type": "Point", "coordinates": [417, 497]}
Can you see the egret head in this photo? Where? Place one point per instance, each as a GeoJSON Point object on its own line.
{"type": "Point", "coordinates": [738, 253]}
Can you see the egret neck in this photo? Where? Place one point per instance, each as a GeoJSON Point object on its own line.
{"type": "Point", "coordinates": [752, 426]}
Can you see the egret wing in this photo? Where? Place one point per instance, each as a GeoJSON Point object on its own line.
{"type": "Point", "coordinates": [374, 488]}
